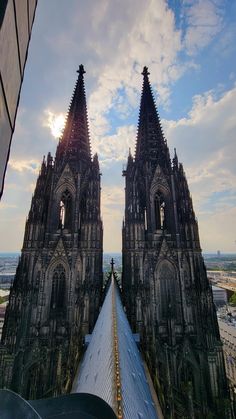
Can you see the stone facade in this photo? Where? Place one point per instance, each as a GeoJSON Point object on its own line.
{"type": "Point", "coordinates": [56, 293]}
{"type": "Point", "coordinates": [167, 294]}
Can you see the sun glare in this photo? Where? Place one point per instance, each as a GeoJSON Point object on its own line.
{"type": "Point", "coordinates": [56, 123]}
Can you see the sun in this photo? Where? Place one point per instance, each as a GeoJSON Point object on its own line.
{"type": "Point", "coordinates": [55, 122]}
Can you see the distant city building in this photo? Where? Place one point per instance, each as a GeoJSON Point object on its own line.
{"type": "Point", "coordinates": [218, 254]}
{"type": "Point", "coordinates": [16, 20]}
{"type": "Point", "coordinates": [56, 294]}
{"type": "Point", "coordinates": [219, 296]}
{"type": "Point", "coordinates": [223, 279]}
{"type": "Point", "coordinates": [167, 295]}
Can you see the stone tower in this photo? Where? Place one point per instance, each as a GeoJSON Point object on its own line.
{"type": "Point", "coordinates": [167, 294]}
{"type": "Point", "coordinates": [56, 293]}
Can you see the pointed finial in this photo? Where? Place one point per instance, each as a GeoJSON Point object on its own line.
{"type": "Point", "coordinates": [130, 157]}
{"type": "Point", "coordinates": [175, 156]}
{"type": "Point", "coordinates": [112, 265]}
{"type": "Point", "coordinates": [145, 71]}
{"type": "Point", "coordinates": [43, 165]}
{"type": "Point", "coordinates": [175, 159]}
{"type": "Point", "coordinates": [95, 160]}
{"type": "Point", "coordinates": [81, 70]}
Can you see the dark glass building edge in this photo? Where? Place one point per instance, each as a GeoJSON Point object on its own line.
{"type": "Point", "coordinates": [8, 113]}
{"type": "Point", "coordinates": [3, 5]}
{"type": "Point", "coordinates": [71, 406]}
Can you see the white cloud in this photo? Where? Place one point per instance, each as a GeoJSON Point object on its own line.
{"type": "Point", "coordinates": [206, 144]}
{"type": "Point", "coordinates": [115, 147]}
{"type": "Point", "coordinates": [204, 20]}
{"type": "Point", "coordinates": [31, 165]}
{"type": "Point", "coordinates": [217, 230]}
{"type": "Point", "coordinates": [112, 213]}
{"type": "Point", "coordinates": [150, 29]}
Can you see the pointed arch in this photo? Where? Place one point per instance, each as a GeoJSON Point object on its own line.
{"type": "Point", "coordinates": [57, 301]}
{"type": "Point", "coordinates": [86, 308]}
{"type": "Point", "coordinates": [66, 181]}
{"type": "Point", "coordinates": [138, 309]}
{"type": "Point", "coordinates": [64, 201]}
{"type": "Point", "coordinates": [167, 292]}
{"type": "Point", "coordinates": [188, 371]}
{"type": "Point", "coordinates": [160, 211]}
{"type": "Point", "coordinates": [161, 208]}
{"type": "Point", "coordinates": [65, 210]}
{"type": "Point", "coordinates": [57, 270]}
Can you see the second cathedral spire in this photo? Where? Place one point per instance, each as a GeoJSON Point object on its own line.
{"type": "Point", "coordinates": [151, 145]}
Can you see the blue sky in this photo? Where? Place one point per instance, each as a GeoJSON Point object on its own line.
{"type": "Point", "coordinates": [190, 49]}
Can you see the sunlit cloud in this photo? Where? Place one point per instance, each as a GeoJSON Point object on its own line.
{"type": "Point", "coordinates": [115, 147]}
{"type": "Point", "coordinates": [55, 122]}
{"type": "Point", "coordinates": [24, 165]}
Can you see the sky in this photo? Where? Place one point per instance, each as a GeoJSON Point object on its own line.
{"type": "Point", "coordinates": [189, 47]}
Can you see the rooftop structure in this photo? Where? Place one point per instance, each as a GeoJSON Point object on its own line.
{"type": "Point", "coordinates": [112, 367]}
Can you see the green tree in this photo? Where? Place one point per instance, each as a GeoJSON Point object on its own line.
{"type": "Point", "coordinates": [233, 299]}
{"type": "Point", "coordinates": [3, 299]}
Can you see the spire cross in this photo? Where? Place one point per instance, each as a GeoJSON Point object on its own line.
{"type": "Point", "coordinates": [112, 264]}
{"type": "Point", "coordinates": [81, 70]}
{"type": "Point", "coordinates": [145, 71]}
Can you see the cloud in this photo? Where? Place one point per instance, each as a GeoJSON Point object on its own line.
{"type": "Point", "coordinates": [112, 209]}
{"type": "Point", "coordinates": [204, 19]}
{"type": "Point", "coordinates": [217, 230]}
{"type": "Point", "coordinates": [150, 28]}
{"type": "Point", "coordinates": [111, 148]}
{"type": "Point", "coordinates": [21, 165]}
{"type": "Point", "coordinates": [118, 43]}
{"type": "Point", "coordinates": [206, 144]}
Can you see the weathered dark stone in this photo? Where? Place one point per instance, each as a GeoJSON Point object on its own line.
{"type": "Point", "coordinates": [55, 297]}
{"type": "Point", "coordinates": [166, 292]}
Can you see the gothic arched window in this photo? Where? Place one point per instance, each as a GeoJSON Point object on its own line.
{"type": "Point", "coordinates": [138, 310]}
{"type": "Point", "coordinates": [167, 291]}
{"type": "Point", "coordinates": [160, 212]}
{"type": "Point", "coordinates": [86, 309]}
{"type": "Point", "coordinates": [58, 288]}
{"type": "Point", "coordinates": [65, 210]}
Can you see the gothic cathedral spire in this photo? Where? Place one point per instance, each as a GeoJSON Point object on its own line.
{"type": "Point", "coordinates": [75, 141]}
{"type": "Point", "coordinates": [151, 145]}
{"type": "Point", "coordinates": [166, 292]}
{"type": "Point", "coordinates": [56, 293]}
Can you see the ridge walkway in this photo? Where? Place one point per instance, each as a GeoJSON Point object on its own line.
{"type": "Point", "coordinates": [112, 367]}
